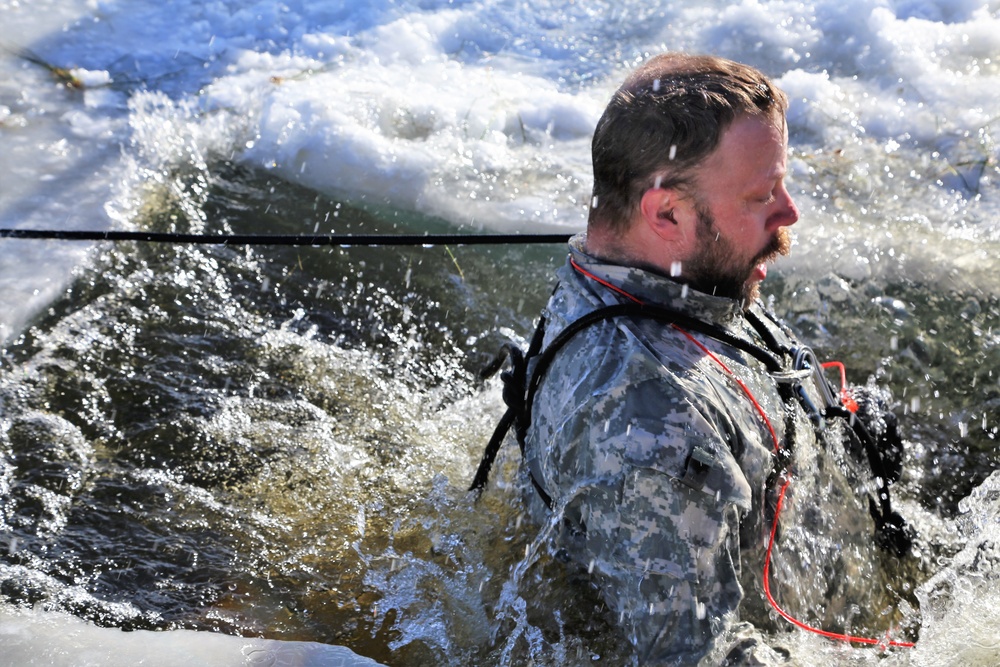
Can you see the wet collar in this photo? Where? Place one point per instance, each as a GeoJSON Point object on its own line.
{"type": "Point", "coordinates": [646, 286]}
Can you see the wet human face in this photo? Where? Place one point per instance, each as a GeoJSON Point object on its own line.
{"type": "Point", "coordinates": [742, 210]}
{"type": "Point", "coordinates": [722, 268]}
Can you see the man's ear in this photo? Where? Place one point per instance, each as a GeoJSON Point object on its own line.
{"type": "Point", "coordinates": [657, 208]}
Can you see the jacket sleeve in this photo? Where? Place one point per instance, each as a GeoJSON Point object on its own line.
{"type": "Point", "coordinates": [655, 488]}
{"type": "Point", "coordinates": [677, 566]}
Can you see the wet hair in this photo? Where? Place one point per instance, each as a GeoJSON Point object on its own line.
{"type": "Point", "coordinates": [666, 118]}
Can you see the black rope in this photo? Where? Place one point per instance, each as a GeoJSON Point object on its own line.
{"type": "Point", "coordinates": [288, 239]}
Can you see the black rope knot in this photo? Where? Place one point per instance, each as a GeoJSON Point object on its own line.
{"type": "Point", "coordinates": [892, 533]}
{"type": "Point", "coordinates": [515, 389]}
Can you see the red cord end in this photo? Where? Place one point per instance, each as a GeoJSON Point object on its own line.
{"type": "Point", "coordinates": [848, 400]}
{"type": "Point", "coordinates": [845, 394]}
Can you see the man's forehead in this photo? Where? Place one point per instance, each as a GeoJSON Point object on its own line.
{"type": "Point", "coordinates": [751, 155]}
{"type": "Point", "coordinates": [750, 147]}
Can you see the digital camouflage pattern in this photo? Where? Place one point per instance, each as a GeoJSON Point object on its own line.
{"type": "Point", "coordinates": [657, 462]}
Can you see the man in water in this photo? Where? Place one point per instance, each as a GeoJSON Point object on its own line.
{"type": "Point", "coordinates": [651, 445]}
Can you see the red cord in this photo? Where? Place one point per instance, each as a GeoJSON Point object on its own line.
{"type": "Point", "coordinates": [791, 619]}
{"type": "Point", "coordinates": [845, 395]}
{"type": "Point", "coordinates": [849, 404]}
{"type": "Point", "coordinates": [613, 288]}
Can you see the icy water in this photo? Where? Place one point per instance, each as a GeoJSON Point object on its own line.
{"type": "Point", "coordinates": [275, 442]}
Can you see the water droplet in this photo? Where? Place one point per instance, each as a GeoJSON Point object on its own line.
{"type": "Point", "coordinates": [675, 269]}
{"type": "Point", "coordinates": [673, 151]}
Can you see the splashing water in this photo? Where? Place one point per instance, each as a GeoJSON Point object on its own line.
{"type": "Point", "coordinates": [276, 442]}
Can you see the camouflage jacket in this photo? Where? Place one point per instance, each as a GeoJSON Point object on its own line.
{"type": "Point", "coordinates": [656, 459]}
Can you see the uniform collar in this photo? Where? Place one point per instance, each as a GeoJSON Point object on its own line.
{"type": "Point", "coordinates": [649, 287]}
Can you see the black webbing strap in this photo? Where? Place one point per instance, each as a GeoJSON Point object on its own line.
{"type": "Point", "coordinates": [892, 532]}
{"type": "Point", "coordinates": [519, 389]}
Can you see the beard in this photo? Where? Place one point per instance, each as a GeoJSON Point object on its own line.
{"type": "Point", "coordinates": [720, 267]}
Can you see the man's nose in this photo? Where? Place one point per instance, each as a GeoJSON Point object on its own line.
{"type": "Point", "coordinates": [785, 213]}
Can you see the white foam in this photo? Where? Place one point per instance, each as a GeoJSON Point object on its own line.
{"type": "Point", "coordinates": [430, 109]}
{"type": "Point", "coordinates": [467, 113]}
{"type": "Point", "coordinates": [53, 639]}
{"type": "Point", "coordinates": [959, 604]}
